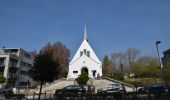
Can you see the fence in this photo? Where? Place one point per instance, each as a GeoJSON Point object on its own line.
{"type": "Point", "coordinates": [111, 96]}
{"type": "Point", "coordinates": [44, 96]}
{"type": "Point", "coordinates": [114, 96]}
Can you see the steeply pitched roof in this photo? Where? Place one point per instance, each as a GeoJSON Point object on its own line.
{"type": "Point", "coordinates": [85, 45]}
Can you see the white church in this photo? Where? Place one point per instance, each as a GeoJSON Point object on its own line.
{"type": "Point", "coordinates": [85, 60]}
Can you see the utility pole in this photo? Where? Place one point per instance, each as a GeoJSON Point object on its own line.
{"type": "Point", "coordinates": [160, 62]}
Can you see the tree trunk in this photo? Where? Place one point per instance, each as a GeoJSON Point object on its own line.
{"type": "Point", "coordinates": [40, 90]}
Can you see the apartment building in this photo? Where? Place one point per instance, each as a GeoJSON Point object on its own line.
{"type": "Point", "coordinates": [14, 66]}
{"type": "Point", "coordinates": [166, 58]}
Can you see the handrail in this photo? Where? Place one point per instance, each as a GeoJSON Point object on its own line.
{"type": "Point", "coordinates": [107, 78]}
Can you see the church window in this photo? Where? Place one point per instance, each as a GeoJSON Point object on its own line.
{"type": "Point", "coordinates": [81, 53]}
{"type": "Point", "coordinates": [75, 72]}
{"type": "Point", "coordinates": [88, 53]}
{"type": "Point", "coordinates": [85, 51]}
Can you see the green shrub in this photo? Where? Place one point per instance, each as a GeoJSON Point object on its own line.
{"type": "Point", "coordinates": [82, 79]}
{"type": "Point", "coordinates": [2, 79]}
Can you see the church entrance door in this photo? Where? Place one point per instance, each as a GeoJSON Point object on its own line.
{"type": "Point", "coordinates": [94, 73]}
{"type": "Point", "coordinates": [84, 69]}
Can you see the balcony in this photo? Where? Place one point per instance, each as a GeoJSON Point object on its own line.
{"type": "Point", "coordinates": [12, 76]}
{"type": "Point", "coordinates": [13, 64]}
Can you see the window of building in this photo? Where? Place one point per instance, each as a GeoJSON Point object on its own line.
{"type": "Point", "coordinates": [85, 51]}
{"type": "Point", "coordinates": [23, 72]}
{"type": "Point", "coordinates": [1, 63]}
{"type": "Point", "coordinates": [81, 53]}
{"type": "Point", "coordinates": [75, 72]}
{"type": "Point", "coordinates": [88, 53]}
{"type": "Point", "coordinates": [29, 65]}
{"type": "Point", "coordinates": [12, 75]}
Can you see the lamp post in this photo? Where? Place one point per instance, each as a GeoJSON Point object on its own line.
{"type": "Point", "coordinates": [159, 59]}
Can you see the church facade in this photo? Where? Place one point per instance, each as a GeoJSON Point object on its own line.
{"type": "Point", "coordinates": [85, 60]}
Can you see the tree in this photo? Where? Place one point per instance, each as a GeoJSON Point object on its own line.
{"type": "Point", "coordinates": [119, 61]}
{"type": "Point", "coordinates": [60, 54]}
{"type": "Point", "coordinates": [147, 60]}
{"type": "Point", "coordinates": [132, 54]}
{"type": "Point", "coordinates": [33, 53]}
{"type": "Point", "coordinates": [106, 64]}
{"type": "Point", "coordinates": [2, 79]}
{"type": "Point", "coordinates": [82, 79]}
{"type": "Point", "coordinates": [44, 69]}
{"type": "Point", "coordinates": [113, 59]}
{"type": "Point", "coordinates": [145, 67]}
{"type": "Point", "coordinates": [150, 66]}
{"type": "Point", "coordinates": [136, 69]}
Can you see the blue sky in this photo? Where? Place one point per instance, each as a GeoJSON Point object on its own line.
{"type": "Point", "coordinates": [112, 25]}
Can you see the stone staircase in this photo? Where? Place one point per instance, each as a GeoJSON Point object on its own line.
{"type": "Point", "coordinates": [57, 85]}
{"type": "Point", "coordinates": [100, 83]}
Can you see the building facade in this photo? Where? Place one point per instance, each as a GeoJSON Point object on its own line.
{"type": "Point", "coordinates": [14, 66]}
{"type": "Point", "coordinates": [166, 58]}
{"type": "Point", "coordinates": [85, 60]}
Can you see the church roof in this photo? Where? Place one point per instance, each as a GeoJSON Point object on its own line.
{"type": "Point", "coordinates": [85, 45]}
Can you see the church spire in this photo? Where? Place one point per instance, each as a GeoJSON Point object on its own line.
{"type": "Point", "coordinates": [85, 33]}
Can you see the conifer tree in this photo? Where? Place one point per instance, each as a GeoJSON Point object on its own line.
{"type": "Point", "coordinates": [106, 64]}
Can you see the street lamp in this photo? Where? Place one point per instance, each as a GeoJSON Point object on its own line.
{"type": "Point", "coordinates": [159, 59]}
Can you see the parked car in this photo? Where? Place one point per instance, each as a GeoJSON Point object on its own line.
{"type": "Point", "coordinates": [154, 88]}
{"type": "Point", "coordinates": [78, 89]}
{"type": "Point", "coordinates": [117, 87]}
{"type": "Point", "coordinates": [6, 90]}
